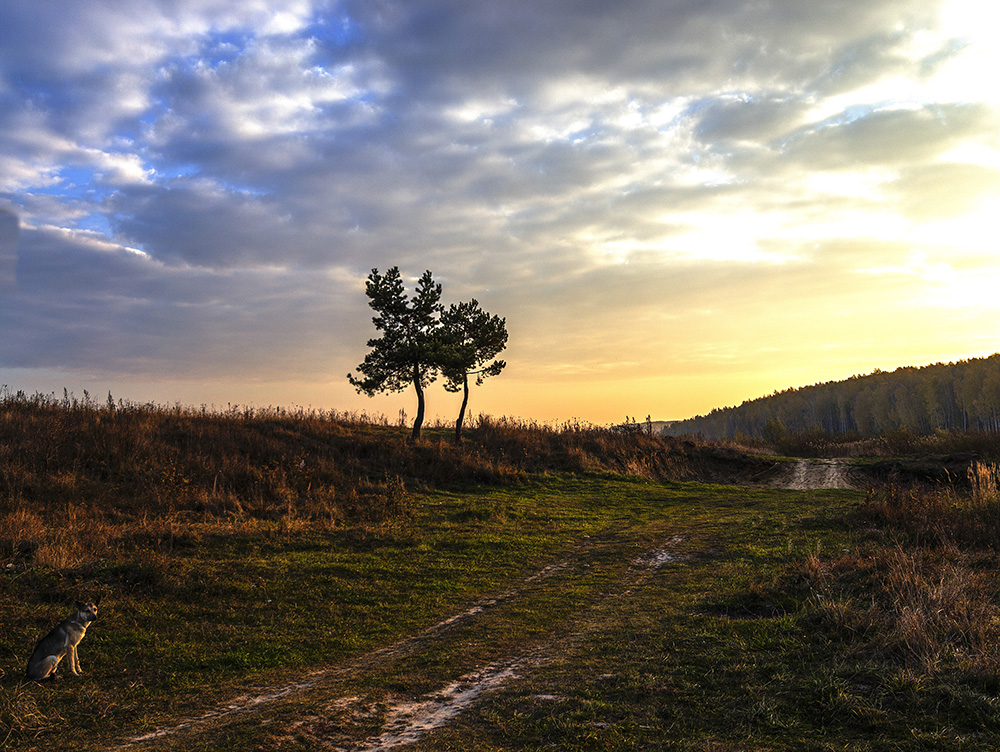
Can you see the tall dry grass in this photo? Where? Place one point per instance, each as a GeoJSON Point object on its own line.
{"type": "Point", "coordinates": [81, 479]}
{"type": "Point", "coordinates": [921, 587]}
{"type": "Point", "coordinates": [942, 516]}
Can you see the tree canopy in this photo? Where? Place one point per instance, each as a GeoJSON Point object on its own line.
{"type": "Point", "coordinates": [405, 353]}
{"type": "Point", "coordinates": [420, 339]}
{"type": "Point", "coordinates": [469, 338]}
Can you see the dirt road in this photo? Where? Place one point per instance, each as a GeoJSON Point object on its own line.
{"type": "Point", "coordinates": [817, 474]}
{"type": "Point", "coordinates": [406, 719]}
{"type": "Point", "coordinates": [302, 709]}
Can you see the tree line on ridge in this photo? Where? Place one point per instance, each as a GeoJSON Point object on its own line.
{"type": "Point", "coordinates": [962, 396]}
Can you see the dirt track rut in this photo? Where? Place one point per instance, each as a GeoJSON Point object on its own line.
{"type": "Point", "coordinates": [408, 719]}
{"type": "Point", "coordinates": [817, 474]}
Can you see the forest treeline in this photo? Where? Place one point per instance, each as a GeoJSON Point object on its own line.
{"type": "Point", "coordinates": [962, 396]}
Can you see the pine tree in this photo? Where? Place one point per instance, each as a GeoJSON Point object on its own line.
{"type": "Point", "coordinates": [469, 338]}
{"type": "Point", "coordinates": [405, 353]}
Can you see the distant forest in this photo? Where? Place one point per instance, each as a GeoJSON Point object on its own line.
{"type": "Point", "coordinates": [962, 396]}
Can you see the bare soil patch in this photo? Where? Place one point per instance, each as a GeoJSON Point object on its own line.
{"type": "Point", "coordinates": [816, 474]}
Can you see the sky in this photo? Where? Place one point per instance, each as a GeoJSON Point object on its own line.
{"type": "Point", "coordinates": [676, 205]}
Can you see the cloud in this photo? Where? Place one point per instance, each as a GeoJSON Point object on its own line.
{"type": "Point", "coordinates": [203, 185]}
{"type": "Point", "coordinates": [945, 189]}
{"type": "Point", "coordinates": [756, 119]}
{"type": "Point", "coordinates": [888, 136]}
{"type": "Point", "coordinates": [98, 305]}
{"type": "Point", "coordinates": [9, 231]}
{"type": "Point", "coordinates": [202, 223]}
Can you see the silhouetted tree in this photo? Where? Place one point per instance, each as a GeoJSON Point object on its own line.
{"type": "Point", "coordinates": [405, 353]}
{"type": "Point", "coordinates": [469, 338]}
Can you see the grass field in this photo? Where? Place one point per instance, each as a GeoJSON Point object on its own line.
{"type": "Point", "coordinates": [542, 609]}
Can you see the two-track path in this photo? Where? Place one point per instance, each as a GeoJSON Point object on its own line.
{"type": "Point", "coordinates": [407, 719]}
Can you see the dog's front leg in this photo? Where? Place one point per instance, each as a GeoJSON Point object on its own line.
{"type": "Point", "coordinates": [74, 662]}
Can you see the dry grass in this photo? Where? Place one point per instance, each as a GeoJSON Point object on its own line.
{"type": "Point", "coordinates": [20, 716]}
{"type": "Point", "coordinates": [920, 588]}
{"type": "Point", "coordinates": [82, 480]}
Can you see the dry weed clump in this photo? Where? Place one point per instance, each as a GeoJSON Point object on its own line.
{"type": "Point", "coordinates": [985, 482]}
{"type": "Point", "coordinates": [922, 590]}
{"type": "Point", "coordinates": [942, 516]}
{"type": "Point", "coordinates": [20, 716]}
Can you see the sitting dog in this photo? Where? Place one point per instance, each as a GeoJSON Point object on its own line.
{"type": "Point", "coordinates": [60, 642]}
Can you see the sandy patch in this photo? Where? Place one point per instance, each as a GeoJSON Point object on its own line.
{"type": "Point", "coordinates": [406, 722]}
{"type": "Point", "coordinates": [659, 557]}
{"type": "Point", "coordinates": [816, 474]}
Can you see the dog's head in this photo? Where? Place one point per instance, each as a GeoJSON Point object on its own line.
{"type": "Point", "coordinates": [87, 611]}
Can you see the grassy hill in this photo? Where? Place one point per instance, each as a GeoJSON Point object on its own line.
{"type": "Point", "coordinates": [115, 474]}
{"type": "Point", "coordinates": [296, 580]}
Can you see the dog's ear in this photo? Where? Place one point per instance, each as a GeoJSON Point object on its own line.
{"type": "Point", "coordinates": [80, 605]}
{"type": "Point", "coordinates": [98, 601]}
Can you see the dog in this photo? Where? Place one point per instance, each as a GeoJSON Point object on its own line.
{"type": "Point", "coordinates": [62, 641]}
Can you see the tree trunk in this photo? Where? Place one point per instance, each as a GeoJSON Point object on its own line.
{"type": "Point", "coordinates": [419, 420]}
{"type": "Point", "coordinates": [461, 413]}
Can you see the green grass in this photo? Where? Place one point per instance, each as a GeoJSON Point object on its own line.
{"type": "Point", "coordinates": [695, 651]}
{"type": "Point", "coordinates": [239, 554]}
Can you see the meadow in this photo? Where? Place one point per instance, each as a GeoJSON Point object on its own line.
{"type": "Point", "coordinates": [298, 580]}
